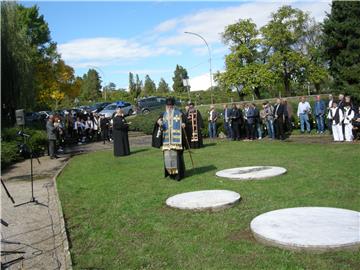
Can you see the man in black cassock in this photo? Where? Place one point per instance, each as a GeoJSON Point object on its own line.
{"type": "Point", "coordinates": [194, 124]}
{"type": "Point", "coordinates": [168, 134]}
{"type": "Point", "coordinates": [120, 134]}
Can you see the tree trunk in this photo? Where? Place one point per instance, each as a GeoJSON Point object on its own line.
{"type": "Point", "coordinates": [241, 95]}
{"type": "Point", "coordinates": [287, 84]}
{"type": "Point", "coordinates": [257, 93]}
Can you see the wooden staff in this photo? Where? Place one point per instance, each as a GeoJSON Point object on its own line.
{"type": "Point", "coordinates": [188, 145]}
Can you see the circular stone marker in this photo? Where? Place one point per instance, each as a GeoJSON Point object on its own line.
{"type": "Point", "coordinates": [250, 173]}
{"type": "Point", "coordinates": [204, 200]}
{"type": "Point", "coordinates": [308, 228]}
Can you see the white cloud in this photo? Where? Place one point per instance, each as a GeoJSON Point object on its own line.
{"type": "Point", "coordinates": [201, 82]}
{"type": "Point", "coordinates": [103, 51]}
{"type": "Point", "coordinates": [211, 23]}
{"type": "Point", "coordinates": [166, 25]}
{"type": "Point", "coordinates": [144, 71]}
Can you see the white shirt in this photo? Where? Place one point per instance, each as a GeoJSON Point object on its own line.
{"type": "Point", "coordinates": [330, 104]}
{"type": "Point", "coordinates": [89, 124]}
{"type": "Point", "coordinates": [332, 112]}
{"type": "Point", "coordinates": [348, 116]}
{"type": "Point", "coordinates": [303, 107]}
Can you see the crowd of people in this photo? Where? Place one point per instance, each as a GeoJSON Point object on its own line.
{"type": "Point", "coordinates": [241, 122]}
{"type": "Point", "coordinates": [248, 122]}
{"type": "Point", "coordinates": [85, 127]}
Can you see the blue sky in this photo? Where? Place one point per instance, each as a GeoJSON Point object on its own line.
{"type": "Point", "coordinates": [148, 37]}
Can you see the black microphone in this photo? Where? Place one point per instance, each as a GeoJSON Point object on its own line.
{"type": "Point", "coordinates": [22, 134]}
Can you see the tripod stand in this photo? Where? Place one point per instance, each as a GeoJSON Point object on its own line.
{"type": "Point", "coordinates": [27, 150]}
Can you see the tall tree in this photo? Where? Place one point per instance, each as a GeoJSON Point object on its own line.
{"type": "Point", "coordinates": [90, 88]}
{"type": "Point", "coordinates": [245, 70]}
{"type": "Point", "coordinates": [149, 86]}
{"type": "Point", "coordinates": [132, 86]}
{"type": "Point", "coordinates": [342, 45]}
{"type": "Point", "coordinates": [180, 73]}
{"type": "Point", "coordinates": [138, 86]}
{"type": "Point", "coordinates": [163, 87]}
{"type": "Point", "coordinates": [282, 36]}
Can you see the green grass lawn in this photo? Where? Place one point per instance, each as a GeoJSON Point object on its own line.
{"type": "Point", "coordinates": [117, 218]}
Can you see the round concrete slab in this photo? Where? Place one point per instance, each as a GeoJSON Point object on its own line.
{"type": "Point", "coordinates": [251, 173]}
{"type": "Point", "coordinates": [308, 228]}
{"type": "Point", "coordinates": [204, 200]}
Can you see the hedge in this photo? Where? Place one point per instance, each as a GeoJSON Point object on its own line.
{"type": "Point", "coordinates": [10, 142]}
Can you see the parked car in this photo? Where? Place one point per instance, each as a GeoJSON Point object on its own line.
{"type": "Point", "coordinates": [44, 114]}
{"type": "Point", "coordinates": [145, 105]}
{"type": "Point", "coordinates": [97, 107]}
{"type": "Point", "coordinates": [32, 117]}
{"type": "Point", "coordinates": [110, 109]}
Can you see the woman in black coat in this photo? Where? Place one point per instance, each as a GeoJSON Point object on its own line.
{"type": "Point", "coordinates": [120, 134]}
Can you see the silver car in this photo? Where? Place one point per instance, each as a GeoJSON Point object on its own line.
{"type": "Point", "coordinates": [110, 109]}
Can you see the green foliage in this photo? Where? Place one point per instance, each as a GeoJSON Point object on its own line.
{"type": "Point", "coordinates": [91, 85]}
{"type": "Point", "coordinates": [145, 122]}
{"type": "Point", "coordinates": [342, 46]}
{"type": "Point", "coordinates": [10, 141]}
{"type": "Point", "coordinates": [180, 73]}
{"type": "Point", "coordinates": [17, 55]}
{"type": "Point", "coordinates": [9, 153]}
{"type": "Point", "coordinates": [128, 226]}
{"type": "Point", "coordinates": [132, 85]}
{"type": "Point", "coordinates": [163, 87]}
{"type": "Point", "coordinates": [149, 86]}
{"type": "Point", "coordinates": [33, 74]}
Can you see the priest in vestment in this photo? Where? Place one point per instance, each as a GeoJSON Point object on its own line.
{"type": "Point", "coordinates": [168, 134]}
{"type": "Point", "coordinates": [120, 134]}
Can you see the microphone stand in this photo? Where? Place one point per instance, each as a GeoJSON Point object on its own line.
{"type": "Point", "coordinates": [33, 199]}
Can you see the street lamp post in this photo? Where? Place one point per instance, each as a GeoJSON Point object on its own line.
{"type": "Point", "coordinates": [207, 45]}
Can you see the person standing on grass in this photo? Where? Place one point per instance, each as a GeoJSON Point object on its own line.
{"type": "Point", "coordinates": [319, 111]}
{"type": "Point", "coordinates": [212, 121]}
{"type": "Point", "coordinates": [227, 122]}
{"type": "Point", "coordinates": [329, 106]}
{"type": "Point", "coordinates": [348, 117]}
{"type": "Point", "coordinates": [279, 120]}
{"type": "Point", "coordinates": [250, 122]}
{"type": "Point", "coordinates": [51, 134]}
{"type": "Point", "coordinates": [120, 134]}
{"type": "Point", "coordinates": [104, 128]}
{"type": "Point", "coordinates": [169, 134]}
{"type": "Point", "coordinates": [304, 109]}
{"type": "Point", "coordinates": [341, 102]}
{"type": "Point", "coordinates": [257, 122]}
{"type": "Point", "coordinates": [236, 120]}
{"type": "Point", "coordinates": [269, 119]}
{"type": "Point", "coordinates": [336, 116]}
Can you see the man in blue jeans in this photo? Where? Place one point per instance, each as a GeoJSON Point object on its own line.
{"type": "Point", "coordinates": [303, 112]}
{"type": "Point", "coordinates": [269, 119]}
{"type": "Point", "coordinates": [212, 122]}
{"type": "Point", "coordinates": [319, 110]}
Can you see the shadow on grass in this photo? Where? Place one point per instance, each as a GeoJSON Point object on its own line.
{"type": "Point", "coordinates": [209, 144]}
{"type": "Point", "coordinates": [200, 170]}
{"type": "Point", "coordinates": [139, 150]}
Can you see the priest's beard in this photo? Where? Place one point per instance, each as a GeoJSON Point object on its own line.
{"type": "Point", "coordinates": [169, 110]}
